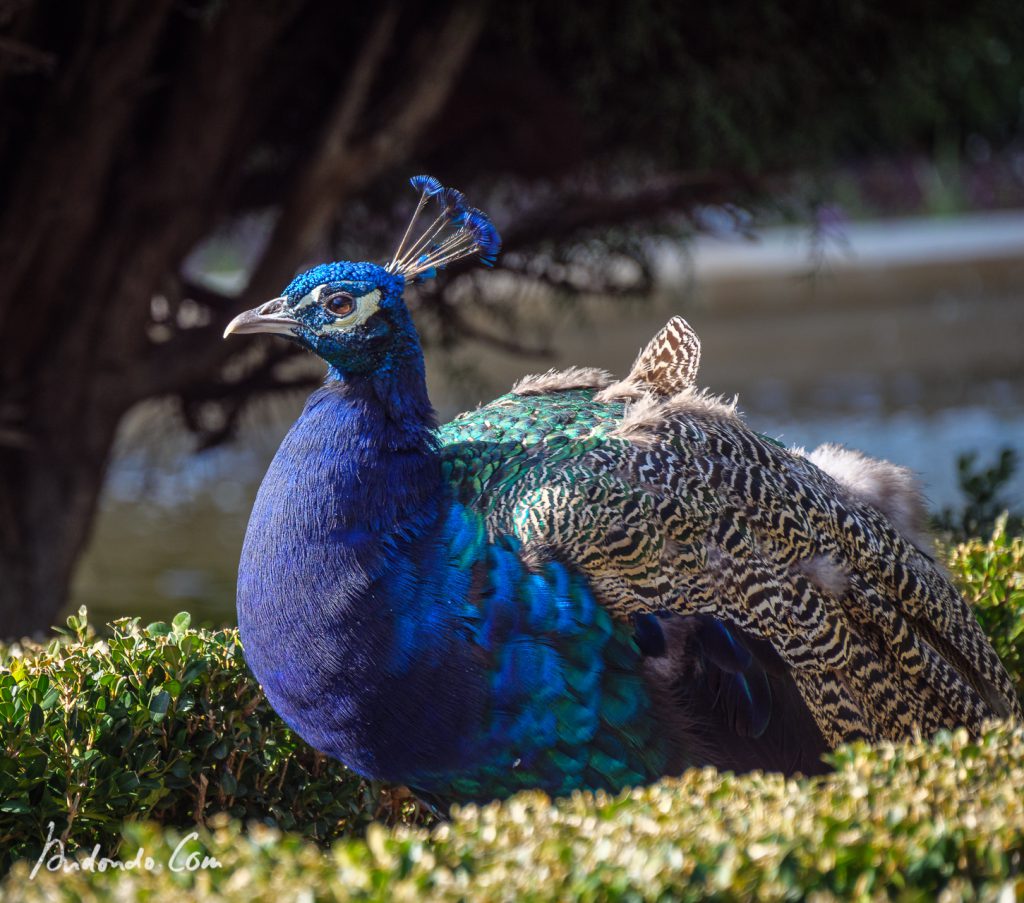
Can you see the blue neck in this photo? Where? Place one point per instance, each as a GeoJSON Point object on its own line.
{"type": "Point", "coordinates": [333, 569]}
{"type": "Point", "coordinates": [383, 440]}
{"type": "Point", "coordinates": [391, 397]}
{"type": "Point", "coordinates": [359, 467]}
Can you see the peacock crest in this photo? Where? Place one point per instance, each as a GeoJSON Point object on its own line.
{"type": "Point", "coordinates": [456, 232]}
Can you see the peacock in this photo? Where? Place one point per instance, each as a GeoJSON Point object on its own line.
{"type": "Point", "coordinates": [588, 582]}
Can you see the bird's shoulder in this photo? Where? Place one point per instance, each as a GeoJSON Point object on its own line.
{"type": "Point", "coordinates": [552, 418]}
{"type": "Point", "coordinates": [536, 425]}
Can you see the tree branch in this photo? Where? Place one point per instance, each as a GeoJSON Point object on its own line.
{"type": "Point", "coordinates": [190, 356]}
{"type": "Point", "coordinates": [568, 214]}
{"type": "Point", "coordinates": [232, 397]}
{"type": "Point", "coordinates": [59, 187]}
{"type": "Point", "coordinates": [352, 101]}
{"type": "Point", "coordinates": [24, 58]}
{"type": "Point", "coordinates": [454, 319]}
{"type": "Point", "coordinates": [338, 168]}
{"type": "Point", "coordinates": [430, 88]}
{"type": "Point", "coordinates": [188, 168]}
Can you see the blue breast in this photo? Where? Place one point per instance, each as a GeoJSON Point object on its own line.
{"type": "Point", "coordinates": [390, 633]}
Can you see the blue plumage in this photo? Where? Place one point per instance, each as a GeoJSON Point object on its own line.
{"type": "Point", "coordinates": [393, 627]}
{"type": "Point", "coordinates": [434, 657]}
{"type": "Point", "coordinates": [428, 185]}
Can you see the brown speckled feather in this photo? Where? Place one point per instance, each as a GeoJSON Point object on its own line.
{"type": "Point", "coordinates": [670, 502]}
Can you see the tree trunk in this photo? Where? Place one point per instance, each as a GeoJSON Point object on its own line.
{"type": "Point", "coordinates": [93, 228]}
{"type": "Point", "coordinates": [127, 156]}
{"type": "Point", "coordinates": [48, 499]}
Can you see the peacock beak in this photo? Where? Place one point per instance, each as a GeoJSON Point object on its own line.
{"type": "Point", "coordinates": [270, 317]}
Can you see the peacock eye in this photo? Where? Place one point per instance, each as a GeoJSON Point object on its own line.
{"type": "Point", "coordinates": [340, 303]}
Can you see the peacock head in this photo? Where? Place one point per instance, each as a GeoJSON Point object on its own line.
{"type": "Point", "coordinates": [353, 314]}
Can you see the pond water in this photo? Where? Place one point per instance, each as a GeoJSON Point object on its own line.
{"type": "Point", "coordinates": [904, 339]}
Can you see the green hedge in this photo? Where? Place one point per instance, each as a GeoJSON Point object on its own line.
{"type": "Point", "coordinates": [163, 723]}
{"type": "Point", "coordinates": [991, 574]}
{"type": "Point", "coordinates": [908, 821]}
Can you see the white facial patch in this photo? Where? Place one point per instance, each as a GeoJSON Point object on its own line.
{"type": "Point", "coordinates": [365, 307]}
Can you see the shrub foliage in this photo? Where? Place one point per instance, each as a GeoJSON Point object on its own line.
{"type": "Point", "coordinates": [991, 574]}
{"type": "Point", "coordinates": [164, 723]}
{"type": "Point", "coordinates": [917, 822]}
{"type": "Point", "coordinates": [140, 737]}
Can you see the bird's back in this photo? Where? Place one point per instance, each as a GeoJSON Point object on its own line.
{"type": "Point", "coordinates": [668, 503]}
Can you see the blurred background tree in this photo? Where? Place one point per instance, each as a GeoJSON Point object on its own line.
{"type": "Point", "coordinates": [133, 132]}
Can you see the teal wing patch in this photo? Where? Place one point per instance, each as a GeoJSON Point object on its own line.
{"type": "Point", "coordinates": [484, 452]}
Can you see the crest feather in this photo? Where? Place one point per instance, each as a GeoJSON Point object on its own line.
{"type": "Point", "coordinates": [459, 231]}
